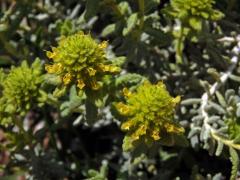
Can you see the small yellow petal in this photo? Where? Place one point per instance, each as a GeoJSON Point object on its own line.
{"type": "Point", "coordinates": [172, 128]}
{"type": "Point", "coordinates": [113, 69]}
{"type": "Point", "coordinates": [126, 125]}
{"type": "Point", "coordinates": [126, 92]}
{"type": "Point", "coordinates": [55, 68]}
{"type": "Point", "coordinates": [67, 78]}
{"type": "Point", "coordinates": [155, 135]}
{"type": "Point", "coordinates": [103, 45]}
{"type": "Point", "coordinates": [139, 132]}
{"type": "Point", "coordinates": [51, 54]}
{"type": "Point", "coordinates": [134, 136]}
{"type": "Point", "coordinates": [142, 129]}
{"type": "Point", "coordinates": [108, 68]}
{"type": "Point", "coordinates": [161, 85]}
{"type": "Point", "coordinates": [91, 71]}
{"type": "Point", "coordinates": [103, 68]}
{"type": "Point", "coordinates": [122, 108]}
{"type": "Point", "coordinates": [80, 84]}
{"type": "Point", "coordinates": [176, 100]}
{"type": "Point", "coordinates": [49, 68]}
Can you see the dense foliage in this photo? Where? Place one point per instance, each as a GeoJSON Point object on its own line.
{"type": "Point", "coordinates": [115, 89]}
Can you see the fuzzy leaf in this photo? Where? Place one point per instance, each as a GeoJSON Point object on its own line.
{"type": "Point", "coordinates": [195, 23]}
{"type": "Point", "coordinates": [219, 148]}
{"type": "Point", "coordinates": [131, 24]}
{"type": "Point", "coordinates": [108, 30]}
{"type": "Point", "coordinates": [235, 163]}
{"type": "Point", "coordinates": [221, 99]}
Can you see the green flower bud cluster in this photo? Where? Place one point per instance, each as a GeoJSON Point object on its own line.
{"type": "Point", "coordinates": [79, 60]}
{"type": "Point", "coordinates": [149, 112]}
{"type": "Point", "coordinates": [20, 89]}
{"type": "Point", "coordinates": [192, 12]}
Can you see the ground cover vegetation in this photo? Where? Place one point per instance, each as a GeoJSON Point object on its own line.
{"type": "Point", "coordinates": [116, 89]}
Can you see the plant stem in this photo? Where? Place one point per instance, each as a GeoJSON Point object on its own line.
{"type": "Point", "coordinates": [231, 4]}
{"type": "Point", "coordinates": [114, 7]}
{"type": "Point", "coordinates": [225, 141]}
{"type": "Point", "coordinates": [179, 46]}
{"type": "Point", "coordinates": [26, 136]}
{"type": "Point", "coordinates": [141, 13]}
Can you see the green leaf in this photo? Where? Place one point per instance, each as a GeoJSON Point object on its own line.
{"type": "Point", "coordinates": [127, 143]}
{"type": "Point", "coordinates": [92, 172]}
{"type": "Point", "coordinates": [235, 163]}
{"type": "Point", "coordinates": [195, 23]}
{"type": "Point", "coordinates": [219, 148]}
{"type": "Point", "coordinates": [221, 99]}
{"type": "Point", "coordinates": [131, 24]}
{"type": "Point", "coordinates": [124, 8]}
{"type": "Point", "coordinates": [109, 29]}
{"type": "Point", "coordinates": [159, 36]}
{"type": "Point", "coordinates": [98, 175]}
{"type": "Point", "coordinates": [118, 61]}
{"type": "Point", "coordinates": [74, 102]}
{"type": "Point", "coordinates": [205, 15]}
{"type": "Point", "coordinates": [52, 79]}
{"type": "Point", "coordinates": [59, 92]}
{"type": "Point", "coordinates": [128, 79]}
{"type": "Point", "coordinates": [234, 78]}
{"type": "Point", "coordinates": [191, 101]}
{"type": "Point", "coordinates": [229, 93]}
{"type": "Point", "coordinates": [65, 27]}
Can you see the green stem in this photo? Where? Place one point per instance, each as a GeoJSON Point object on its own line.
{"type": "Point", "coordinates": [114, 7]}
{"type": "Point", "coordinates": [26, 136]}
{"type": "Point", "coordinates": [51, 131]}
{"type": "Point", "coordinates": [225, 141]}
{"type": "Point", "coordinates": [179, 46]}
{"type": "Point", "coordinates": [141, 17]}
{"type": "Point", "coordinates": [141, 13]}
{"type": "Point", "coordinates": [231, 4]}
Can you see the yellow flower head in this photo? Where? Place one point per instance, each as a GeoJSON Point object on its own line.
{"type": "Point", "coordinates": [197, 9]}
{"type": "Point", "coordinates": [21, 87]}
{"type": "Point", "coordinates": [149, 112]}
{"type": "Point", "coordinates": [79, 60]}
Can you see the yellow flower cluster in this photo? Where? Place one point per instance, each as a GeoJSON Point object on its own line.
{"type": "Point", "coordinates": [19, 90]}
{"type": "Point", "coordinates": [79, 60]}
{"type": "Point", "coordinates": [202, 9]}
{"type": "Point", "coordinates": [149, 112]}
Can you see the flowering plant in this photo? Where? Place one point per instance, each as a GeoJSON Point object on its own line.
{"type": "Point", "coordinates": [149, 113]}
{"type": "Point", "coordinates": [79, 60]}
